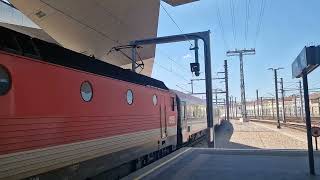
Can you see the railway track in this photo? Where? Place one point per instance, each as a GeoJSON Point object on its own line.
{"type": "Point", "coordinates": [293, 125]}
{"type": "Point", "coordinates": [199, 142]}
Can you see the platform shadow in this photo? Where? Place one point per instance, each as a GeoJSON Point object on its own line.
{"type": "Point", "coordinates": [223, 137]}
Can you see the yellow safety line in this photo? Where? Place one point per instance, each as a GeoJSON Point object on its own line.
{"type": "Point", "coordinates": [160, 165]}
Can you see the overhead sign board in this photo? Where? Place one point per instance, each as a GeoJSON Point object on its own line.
{"type": "Point", "coordinates": [307, 61]}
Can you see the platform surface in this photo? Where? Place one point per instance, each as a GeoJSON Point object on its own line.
{"type": "Point", "coordinates": [249, 151]}
{"type": "Point", "coordinates": [254, 164]}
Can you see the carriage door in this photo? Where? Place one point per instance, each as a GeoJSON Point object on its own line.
{"type": "Point", "coordinates": [163, 117]}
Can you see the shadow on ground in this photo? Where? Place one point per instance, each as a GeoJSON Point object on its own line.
{"type": "Point", "coordinates": [223, 137]}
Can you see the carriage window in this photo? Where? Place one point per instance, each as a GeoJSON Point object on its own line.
{"type": "Point", "coordinates": [5, 81]}
{"type": "Point", "coordinates": [129, 97]}
{"type": "Point", "coordinates": [86, 91]}
{"type": "Point", "coordinates": [154, 100]}
{"type": "Point", "coordinates": [172, 103]}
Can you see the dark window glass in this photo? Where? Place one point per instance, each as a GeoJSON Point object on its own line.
{"type": "Point", "coordinates": [5, 81]}
{"type": "Point", "coordinates": [172, 103]}
{"type": "Point", "coordinates": [9, 42]}
{"type": "Point", "coordinates": [26, 44]}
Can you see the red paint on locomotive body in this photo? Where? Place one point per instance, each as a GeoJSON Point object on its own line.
{"type": "Point", "coordinates": [44, 107]}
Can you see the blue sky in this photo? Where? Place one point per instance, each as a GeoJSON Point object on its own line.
{"type": "Point", "coordinates": [286, 27]}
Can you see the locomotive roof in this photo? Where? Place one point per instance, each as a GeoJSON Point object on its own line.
{"type": "Point", "coordinates": [189, 98]}
{"type": "Point", "coordinates": [22, 44]}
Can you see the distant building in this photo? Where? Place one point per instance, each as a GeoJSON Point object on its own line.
{"type": "Point", "coordinates": [292, 106]}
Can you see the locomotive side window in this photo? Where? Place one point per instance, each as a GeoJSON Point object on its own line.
{"type": "Point", "coordinates": [154, 100]}
{"type": "Point", "coordinates": [172, 103]}
{"type": "Point", "coordinates": [129, 97]}
{"type": "Point", "coordinates": [5, 81]}
{"type": "Point", "coordinates": [86, 91]}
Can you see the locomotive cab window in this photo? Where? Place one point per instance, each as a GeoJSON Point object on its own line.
{"type": "Point", "coordinates": [5, 81]}
{"type": "Point", "coordinates": [172, 103]}
{"type": "Point", "coordinates": [86, 91]}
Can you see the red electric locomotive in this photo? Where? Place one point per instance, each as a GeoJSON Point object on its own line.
{"type": "Point", "coordinates": [67, 115]}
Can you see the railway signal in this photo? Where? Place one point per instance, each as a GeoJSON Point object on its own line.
{"type": "Point", "coordinates": [218, 91]}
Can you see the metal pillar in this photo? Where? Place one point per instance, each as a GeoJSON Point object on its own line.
{"type": "Point", "coordinates": [301, 102]}
{"type": "Point", "coordinates": [205, 37]}
{"type": "Point", "coordinates": [225, 111]}
{"type": "Point", "coordinates": [308, 122]}
{"type": "Point", "coordinates": [227, 88]}
{"type": "Point", "coordinates": [277, 99]}
{"type": "Point", "coordinates": [257, 102]}
{"type": "Point", "coordinates": [191, 86]}
{"type": "Point", "coordinates": [243, 92]}
{"type": "Point", "coordinates": [211, 133]}
{"type": "Point", "coordinates": [235, 102]}
{"type": "Point", "coordinates": [261, 102]}
{"type": "Point", "coordinates": [254, 110]}
{"type": "Point", "coordinates": [282, 97]}
{"type": "Point", "coordinates": [295, 106]}
{"type": "Point", "coordinates": [272, 108]}
{"type": "Point", "coordinates": [230, 106]}
{"type": "Point", "coordinates": [318, 107]}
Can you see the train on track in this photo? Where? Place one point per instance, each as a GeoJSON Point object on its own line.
{"type": "Point", "coordinates": [64, 115]}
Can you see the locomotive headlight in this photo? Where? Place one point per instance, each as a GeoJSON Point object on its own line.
{"type": "Point", "coordinates": [5, 81]}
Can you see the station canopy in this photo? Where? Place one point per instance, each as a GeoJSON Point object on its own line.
{"type": "Point", "coordinates": [93, 27]}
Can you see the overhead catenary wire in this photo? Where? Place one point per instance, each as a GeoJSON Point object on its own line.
{"type": "Point", "coordinates": [179, 28]}
{"type": "Point", "coordinates": [82, 23]}
{"type": "Point", "coordinates": [171, 71]}
{"type": "Point", "coordinates": [260, 19]}
{"type": "Point", "coordinates": [176, 24]}
{"type": "Point", "coordinates": [172, 60]}
{"type": "Point", "coordinates": [114, 40]}
{"type": "Point", "coordinates": [315, 83]}
{"type": "Point", "coordinates": [183, 89]}
{"type": "Point", "coordinates": [234, 31]}
{"type": "Point", "coordinates": [99, 32]}
{"type": "Point", "coordinates": [221, 27]}
{"type": "Point", "coordinates": [248, 2]}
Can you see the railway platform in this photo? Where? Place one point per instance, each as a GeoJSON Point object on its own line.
{"type": "Point", "coordinates": [249, 150]}
{"type": "Point", "coordinates": [230, 164]}
{"type": "Point", "coordinates": [257, 135]}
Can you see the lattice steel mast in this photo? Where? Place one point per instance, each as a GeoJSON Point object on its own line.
{"type": "Point", "coordinates": [241, 53]}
